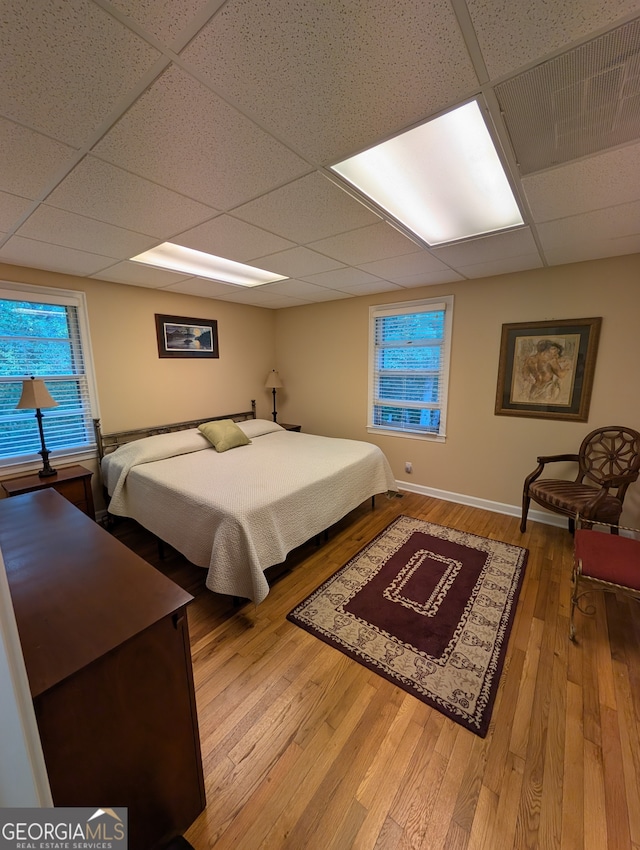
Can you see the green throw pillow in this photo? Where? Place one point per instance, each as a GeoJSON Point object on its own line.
{"type": "Point", "coordinates": [224, 434]}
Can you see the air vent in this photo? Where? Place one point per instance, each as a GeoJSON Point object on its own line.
{"type": "Point", "coordinates": [584, 101]}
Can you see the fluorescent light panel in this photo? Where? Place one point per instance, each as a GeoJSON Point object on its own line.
{"type": "Point", "coordinates": [180, 259]}
{"type": "Point", "coordinates": [443, 180]}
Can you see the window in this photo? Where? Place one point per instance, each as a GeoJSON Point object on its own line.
{"type": "Point", "coordinates": [409, 367]}
{"type": "Point", "coordinates": [44, 333]}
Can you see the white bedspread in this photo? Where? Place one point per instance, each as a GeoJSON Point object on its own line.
{"type": "Point", "coordinates": [241, 511]}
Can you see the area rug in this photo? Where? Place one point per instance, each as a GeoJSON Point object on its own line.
{"type": "Point", "coordinates": [429, 608]}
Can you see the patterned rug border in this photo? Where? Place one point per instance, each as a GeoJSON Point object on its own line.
{"type": "Point", "coordinates": [475, 717]}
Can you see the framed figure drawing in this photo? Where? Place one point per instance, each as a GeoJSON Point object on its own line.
{"type": "Point", "coordinates": [546, 368]}
{"type": "Point", "coordinates": [179, 336]}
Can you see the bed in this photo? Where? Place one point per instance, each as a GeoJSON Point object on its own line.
{"type": "Point", "coordinates": [238, 512]}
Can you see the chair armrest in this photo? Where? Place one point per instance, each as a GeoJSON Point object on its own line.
{"type": "Point", "coordinates": [617, 480]}
{"type": "Point", "coordinates": [554, 458]}
{"type": "Point", "coordinates": [590, 507]}
{"type": "Point", "coordinates": [608, 481]}
{"type": "Point", "coordinates": [537, 472]}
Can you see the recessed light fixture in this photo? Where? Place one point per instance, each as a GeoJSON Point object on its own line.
{"type": "Point", "coordinates": [442, 180]}
{"type": "Point", "coordinates": [187, 260]}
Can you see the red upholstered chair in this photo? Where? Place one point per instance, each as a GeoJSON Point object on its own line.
{"type": "Point", "coordinates": [603, 562]}
{"type": "Point", "coordinates": [608, 462]}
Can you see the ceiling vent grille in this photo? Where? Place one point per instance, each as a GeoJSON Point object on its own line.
{"type": "Point", "coordinates": [584, 101]}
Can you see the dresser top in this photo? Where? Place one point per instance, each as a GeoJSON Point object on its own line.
{"type": "Point", "coordinates": [76, 590]}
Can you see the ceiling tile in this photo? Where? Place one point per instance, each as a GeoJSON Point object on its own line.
{"type": "Point", "coordinates": [29, 160]}
{"type": "Point", "coordinates": [236, 240]}
{"type": "Point", "coordinates": [59, 227]}
{"type": "Point", "coordinates": [600, 181]}
{"type": "Point", "coordinates": [296, 262]}
{"type": "Point", "coordinates": [513, 243]}
{"type": "Point", "coordinates": [593, 249]}
{"type": "Point", "coordinates": [429, 279]}
{"type": "Point", "coordinates": [166, 19]}
{"type": "Point", "coordinates": [136, 274]}
{"type": "Point", "coordinates": [502, 265]}
{"type": "Point", "coordinates": [623, 220]}
{"type": "Point", "coordinates": [301, 289]}
{"type": "Point", "coordinates": [331, 77]}
{"type": "Point", "coordinates": [374, 286]}
{"type": "Point", "coordinates": [88, 56]}
{"type": "Point", "coordinates": [395, 268]}
{"type": "Point", "coordinates": [102, 191]}
{"type": "Point", "coordinates": [513, 34]}
{"type": "Point", "coordinates": [376, 242]}
{"type": "Point", "coordinates": [201, 136]}
{"type": "Point", "coordinates": [201, 287]}
{"type": "Point", "coordinates": [42, 255]}
{"type": "Point", "coordinates": [285, 211]}
{"type": "Point", "coordinates": [261, 298]}
{"type": "Point", "coordinates": [12, 208]}
{"type": "Point", "coordinates": [344, 278]}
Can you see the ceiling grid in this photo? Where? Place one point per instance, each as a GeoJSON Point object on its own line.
{"type": "Point", "coordinates": [213, 124]}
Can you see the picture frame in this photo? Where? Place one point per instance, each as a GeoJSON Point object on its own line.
{"type": "Point", "coordinates": [546, 368]}
{"type": "Point", "coordinates": [182, 336]}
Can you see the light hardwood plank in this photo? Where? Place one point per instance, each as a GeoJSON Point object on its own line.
{"type": "Point", "coordinates": [572, 813]}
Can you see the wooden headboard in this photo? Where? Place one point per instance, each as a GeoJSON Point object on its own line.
{"type": "Point", "coordinates": [108, 443]}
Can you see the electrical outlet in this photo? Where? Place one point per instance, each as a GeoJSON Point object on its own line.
{"type": "Point", "coordinates": [408, 467]}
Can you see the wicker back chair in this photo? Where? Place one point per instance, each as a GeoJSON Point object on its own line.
{"type": "Point", "coordinates": [608, 462]}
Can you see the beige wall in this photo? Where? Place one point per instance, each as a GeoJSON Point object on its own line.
{"type": "Point", "coordinates": [322, 354]}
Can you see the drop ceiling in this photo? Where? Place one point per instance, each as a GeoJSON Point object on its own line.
{"type": "Point", "coordinates": [213, 124]}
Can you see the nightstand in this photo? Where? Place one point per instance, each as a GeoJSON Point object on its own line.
{"type": "Point", "coordinates": [289, 427]}
{"type": "Point", "coordinates": [72, 482]}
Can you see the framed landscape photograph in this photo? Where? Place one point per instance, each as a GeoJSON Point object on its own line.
{"type": "Point", "coordinates": [546, 368]}
{"type": "Point", "coordinates": [179, 336]}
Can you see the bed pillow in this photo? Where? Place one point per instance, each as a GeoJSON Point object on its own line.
{"type": "Point", "coordinates": [258, 427]}
{"type": "Point", "coordinates": [224, 434]}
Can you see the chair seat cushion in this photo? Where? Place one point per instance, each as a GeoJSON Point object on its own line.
{"type": "Point", "coordinates": [570, 498]}
{"type": "Point", "coordinates": [609, 557]}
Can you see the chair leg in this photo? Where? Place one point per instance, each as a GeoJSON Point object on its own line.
{"type": "Point", "coordinates": [574, 602]}
{"type": "Point", "coordinates": [525, 510]}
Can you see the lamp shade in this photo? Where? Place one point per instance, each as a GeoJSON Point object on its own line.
{"type": "Point", "coordinates": [35, 395]}
{"type": "Point", "coordinates": [273, 380]}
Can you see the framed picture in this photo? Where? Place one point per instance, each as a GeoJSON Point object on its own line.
{"type": "Point", "coordinates": [546, 368]}
{"type": "Point", "coordinates": [179, 336]}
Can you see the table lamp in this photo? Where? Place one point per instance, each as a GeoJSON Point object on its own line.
{"type": "Point", "coordinates": [273, 382]}
{"type": "Point", "coordinates": [35, 395]}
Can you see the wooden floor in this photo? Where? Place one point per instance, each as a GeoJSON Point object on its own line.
{"type": "Point", "coordinates": [305, 749]}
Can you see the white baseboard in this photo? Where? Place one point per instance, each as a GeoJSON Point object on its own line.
{"type": "Point", "coordinates": [486, 504]}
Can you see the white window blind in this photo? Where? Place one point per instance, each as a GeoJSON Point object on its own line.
{"type": "Point", "coordinates": [409, 366]}
{"type": "Point", "coordinates": [42, 334]}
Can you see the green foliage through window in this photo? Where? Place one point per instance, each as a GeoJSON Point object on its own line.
{"type": "Point", "coordinates": [44, 341]}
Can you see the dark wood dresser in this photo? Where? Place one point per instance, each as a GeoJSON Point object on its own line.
{"type": "Point", "coordinates": [73, 482]}
{"type": "Point", "coordinates": [106, 647]}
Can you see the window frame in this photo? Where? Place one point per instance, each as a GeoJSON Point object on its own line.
{"type": "Point", "coordinates": [11, 290]}
{"type": "Point", "coordinates": [425, 305]}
